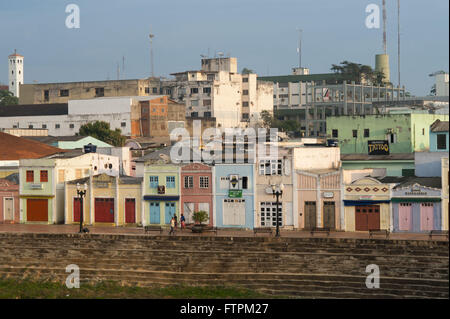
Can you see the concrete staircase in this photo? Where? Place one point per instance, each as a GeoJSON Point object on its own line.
{"type": "Point", "coordinates": [296, 267]}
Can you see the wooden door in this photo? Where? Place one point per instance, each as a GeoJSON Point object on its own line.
{"type": "Point", "coordinates": [329, 212]}
{"type": "Point", "coordinates": [76, 209]}
{"type": "Point", "coordinates": [361, 223]}
{"type": "Point", "coordinates": [8, 209]}
{"type": "Point", "coordinates": [373, 220]}
{"type": "Point", "coordinates": [155, 217]}
{"type": "Point", "coordinates": [37, 210]}
{"type": "Point", "coordinates": [310, 215]}
{"type": "Point", "coordinates": [104, 210]}
{"type": "Point", "coordinates": [405, 216]}
{"type": "Point", "coordinates": [367, 217]}
{"type": "Point", "coordinates": [426, 216]}
{"type": "Point", "coordinates": [130, 210]}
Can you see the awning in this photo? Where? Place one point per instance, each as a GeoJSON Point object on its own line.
{"type": "Point", "coordinates": [161, 198]}
{"type": "Point", "coordinates": [364, 202]}
{"type": "Point", "coordinates": [415, 200]}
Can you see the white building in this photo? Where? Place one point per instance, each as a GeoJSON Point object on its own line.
{"type": "Point", "coordinates": [15, 73]}
{"type": "Point", "coordinates": [65, 119]}
{"type": "Point", "coordinates": [441, 84]}
{"type": "Point", "coordinates": [219, 91]}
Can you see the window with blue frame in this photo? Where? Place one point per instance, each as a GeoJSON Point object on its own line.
{"type": "Point", "coordinates": [153, 181]}
{"type": "Point", "coordinates": [170, 181]}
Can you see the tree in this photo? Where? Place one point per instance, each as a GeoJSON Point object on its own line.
{"type": "Point", "coordinates": [246, 71]}
{"type": "Point", "coordinates": [102, 131]}
{"type": "Point", "coordinates": [433, 90]}
{"type": "Point", "coordinates": [7, 98]}
{"type": "Point", "coordinates": [267, 119]}
{"type": "Point", "coordinates": [200, 217]}
{"type": "Point", "coordinates": [358, 72]}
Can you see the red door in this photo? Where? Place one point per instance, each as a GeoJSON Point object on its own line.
{"type": "Point", "coordinates": [104, 210]}
{"type": "Point", "coordinates": [76, 209]}
{"type": "Point", "coordinates": [367, 217]}
{"type": "Point", "coordinates": [130, 210]}
{"type": "Point", "coordinates": [37, 210]}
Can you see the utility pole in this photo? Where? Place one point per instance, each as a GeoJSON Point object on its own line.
{"type": "Point", "coordinates": [398, 40]}
{"type": "Point", "coordinates": [299, 49]}
{"type": "Point", "coordinates": [151, 36]}
{"type": "Point", "coordinates": [384, 27]}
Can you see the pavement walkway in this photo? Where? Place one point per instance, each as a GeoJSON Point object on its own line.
{"type": "Point", "coordinates": [65, 229]}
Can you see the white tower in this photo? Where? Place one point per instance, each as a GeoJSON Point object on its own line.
{"type": "Point", "coordinates": [15, 72]}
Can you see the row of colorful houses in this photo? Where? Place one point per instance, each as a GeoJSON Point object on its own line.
{"type": "Point", "coordinates": [234, 196]}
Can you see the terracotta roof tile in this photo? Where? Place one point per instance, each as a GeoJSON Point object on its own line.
{"type": "Point", "coordinates": [14, 148]}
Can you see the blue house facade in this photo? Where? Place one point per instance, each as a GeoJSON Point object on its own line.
{"type": "Point", "coordinates": [234, 196]}
{"type": "Point", "coordinates": [416, 206]}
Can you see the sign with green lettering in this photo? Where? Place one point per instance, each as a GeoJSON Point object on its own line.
{"type": "Point", "coordinates": [235, 193]}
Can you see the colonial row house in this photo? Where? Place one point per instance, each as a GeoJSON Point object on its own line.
{"type": "Point", "coordinates": [109, 200]}
{"type": "Point", "coordinates": [9, 199]}
{"type": "Point", "coordinates": [42, 182]}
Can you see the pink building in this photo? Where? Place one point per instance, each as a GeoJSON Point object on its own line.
{"type": "Point", "coordinates": [9, 199]}
{"type": "Point", "coordinates": [196, 190]}
{"type": "Point", "coordinates": [319, 199]}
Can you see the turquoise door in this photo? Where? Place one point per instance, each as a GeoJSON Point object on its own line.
{"type": "Point", "coordinates": [154, 213]}
{"type": "Point", "coordinates": [170, 211]}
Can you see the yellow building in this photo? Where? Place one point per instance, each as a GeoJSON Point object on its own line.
{"type": "Point", "coordinates": [37, 93]}
{"type": "Point", "coordinates": [445, 193]}
{"type": "Point", "coordinates": [109, 200]}
{"type": "Point", "coordinates": [367, 205]}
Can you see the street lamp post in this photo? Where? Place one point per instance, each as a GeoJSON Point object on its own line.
{"type": "Point", "coordinates": [81, 193]}
{"type": "Point", "coordinates": [278, 192]}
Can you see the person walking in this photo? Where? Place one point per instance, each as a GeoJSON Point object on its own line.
{"type": "Point", "coordinates": [172, 226]}
{"type": "Point", "coordinates": [176, 221]}
{"type": "Point", "coordinates": [182, 221]}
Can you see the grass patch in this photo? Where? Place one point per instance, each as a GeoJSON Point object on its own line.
{"type": "Point", "coordinates": [27, 289]}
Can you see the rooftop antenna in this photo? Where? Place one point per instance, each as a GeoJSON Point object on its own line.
{"type": "Point", "coordinates": [398, 40]}
{"type": "Point", "coordinates": [123, 66]}
{"type": "Point", "coordinates": [384, 27]}
{"type": "Point", "coordinates": [151, 36]}
{"type": "Point", "coordinates": [118, 71]}
{"type": "Point", "coordinates": [299, 48]}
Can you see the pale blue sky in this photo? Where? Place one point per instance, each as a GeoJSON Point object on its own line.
{"type": "Point", "coordinates": [261, 34]}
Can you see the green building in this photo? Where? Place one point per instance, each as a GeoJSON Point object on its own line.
{"type": "Point", "coordinates": [382, 141]}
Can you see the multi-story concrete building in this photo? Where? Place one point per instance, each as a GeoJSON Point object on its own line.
{"type": "Point", "coordinates": [39, 93]}
{"type": "Point", "coordinates": [311, 98]}
{"type": "Point", "coordinates": [382, 141]}
{"type": "Point", "coordinates": [219, 91]}
{"type": "Point", "coordinates": [135, 116]}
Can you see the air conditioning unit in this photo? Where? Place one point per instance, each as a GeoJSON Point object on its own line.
{"type": "Point", "coordinates": [389, 131]}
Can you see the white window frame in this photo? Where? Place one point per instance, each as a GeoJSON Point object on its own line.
{"type": "Point", "coordinates": [189, 182]}
{"type": "Point", "coordinates": [271, 167]}
{"type": "Point", "coordinates": [267, 216]}
{"type": "Point", "coordinates": [204, 182]}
